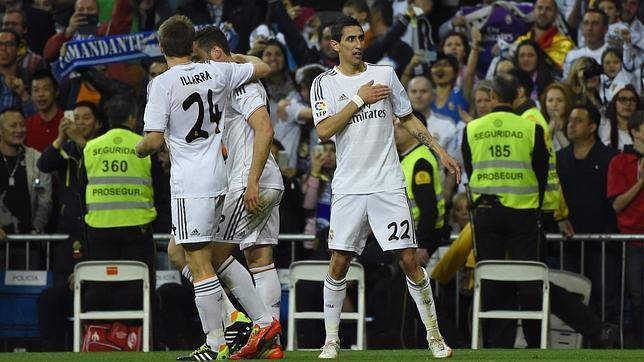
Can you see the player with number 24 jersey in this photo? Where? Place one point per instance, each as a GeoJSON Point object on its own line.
{"type": "Point", "coordinates": [187, 102]}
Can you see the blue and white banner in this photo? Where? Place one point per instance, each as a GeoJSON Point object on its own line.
{"type": "Point", "coordinates": [115, 49]}
{"type": "Point", "coordinates": [104, 50]}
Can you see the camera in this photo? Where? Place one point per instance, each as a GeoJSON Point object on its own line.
{"type": "Point", "coordinates": [593, 70]}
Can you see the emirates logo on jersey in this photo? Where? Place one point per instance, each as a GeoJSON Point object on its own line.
{"type": "Point", "coordinates": [367, 113]}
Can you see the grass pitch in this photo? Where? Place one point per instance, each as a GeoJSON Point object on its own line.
{"type": "Point", "coordinates": [371, 355]}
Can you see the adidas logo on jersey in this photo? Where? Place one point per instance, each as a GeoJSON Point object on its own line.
{"type": "Point", "coordinates": [343, 98]}
{"type": "Point", "coordinates": [194, 232]}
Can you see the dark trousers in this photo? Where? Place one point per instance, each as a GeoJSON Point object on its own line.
{"type": "Point", "coordinates": [635, 284]}
{"type": "Point", "coordinates": [54, 306]}
{"type": "Point", "coordinates": [572, 311]}
{"type": "Point", "coordinates": [593, 270]}
{"type": "Point", "coordinates": [500, 232]}
{"type": "Point", "coordinates": [123, 243]}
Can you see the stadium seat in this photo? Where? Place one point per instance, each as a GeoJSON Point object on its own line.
{"type": "Point", "coordinates": [316, 270]}
{"type": "Point", "coordinates": [111, 271]}
{"type": "Point", "coordinates": [563, 336]}
{"type": "Point", "coordinates": [510, 271]}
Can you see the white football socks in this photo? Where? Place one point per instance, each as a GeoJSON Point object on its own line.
{"type": "Point", "coordinates": [269, 288]}
{"type": "Point", "coordinates": [208, 298]}
{"type": "Point", "coordinates": [241, 285]}
{"type": "Point", "coordinates": [422, 294]}
{"type": "Point", "coordinates": [334, 293]}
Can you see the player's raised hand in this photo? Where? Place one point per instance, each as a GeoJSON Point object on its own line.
{"type": "Point", "coordinates": [372, 93]}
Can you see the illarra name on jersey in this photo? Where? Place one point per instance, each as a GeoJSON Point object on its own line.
{"type": "Point", "coordinates": [367, 113]}
{"type": "Point", "coordinates": [195, 78]}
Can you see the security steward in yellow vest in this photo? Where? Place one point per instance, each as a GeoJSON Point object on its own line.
{"type": "Point", "coordinates": [506, 160]}
{"type": "Point", "coordinates": [424, 189]}
{"type": "Point", "coordinates": [119, 198]}
{"type": "Point", "coordinates": [555, 210]}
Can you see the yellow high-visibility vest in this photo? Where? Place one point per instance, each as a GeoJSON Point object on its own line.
{"type": "Point", "coordinates": [407, 164]}
{"type": "Point", "coordinates": [119, 184]}
{"type": "Point", "coordinates": [502, 144]}
{"type": "Point", "coordinates": [551, 196]}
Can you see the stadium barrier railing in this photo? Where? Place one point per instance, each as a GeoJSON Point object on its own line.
{"type": "Point", "coordinates": [163, 239]}
{"type": "Point", "coordinates": [582, 239]}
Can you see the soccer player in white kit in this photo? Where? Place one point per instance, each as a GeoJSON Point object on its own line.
{"type": "Point", "coordinates": [357, 103]}
{"type": "Point", "coordinates": [250, 217]}
{"type": "Point", "coordinates": [185, 107]}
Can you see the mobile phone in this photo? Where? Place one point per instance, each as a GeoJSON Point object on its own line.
{"type": "Point", "coordinates": [69, 114]}
{"type": "Point", "coordinates": [91, 25]}
{"type": "Point", "coordinates": [282, 159]}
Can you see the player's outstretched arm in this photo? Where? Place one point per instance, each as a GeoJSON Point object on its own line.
{"type": "Point", "coordinates": [368, 93]}
{"type": "Point", "coordinates": [260, 122]}
{"type": "Point", "coordinates": [261, 69]}
{"type": "Point", "coordinates": [151, 143]}
{"type": "Point", "coordinates": [418, 130]}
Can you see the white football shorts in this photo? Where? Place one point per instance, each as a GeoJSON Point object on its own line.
{"type": "Point", "coordinates": [387, 214]}
{"type": "Point", "coordinates": [238, 226]}
{"type": "Point", "coordinates": [195, 220]}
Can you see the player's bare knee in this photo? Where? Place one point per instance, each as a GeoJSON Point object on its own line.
{"type": "Point", "coordinates": [176, 254]}
{"type": "Point", "coordinates": [198, 257]}
{"type": "Point", "coordinates": [259, 255]}
{"type": "Point", "coordinates": [408, 261]}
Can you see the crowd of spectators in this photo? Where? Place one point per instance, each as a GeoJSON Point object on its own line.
{"type": "Point", "coordinates": [583, 62]}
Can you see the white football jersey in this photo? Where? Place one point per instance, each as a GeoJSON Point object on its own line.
{"type": "Point", "coordinates": [187, 103]}
{"type": "Point", "coordinates": [239, 138]}
{"type": "Point", "coordinates": [367, 160]}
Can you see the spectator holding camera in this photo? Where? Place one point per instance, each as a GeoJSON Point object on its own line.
{"type": "Point", "coordinates": [84, 23]}
{"type": "Point", "coordinates": [584, 81]}
{"type": "Point", "coordinates": [63, 158]}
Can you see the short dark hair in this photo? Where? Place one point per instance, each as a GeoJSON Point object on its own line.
{"type": "Point", "coordinates": [505, 86]}
{"type": "Point", "coordinates": [18, 11]}
{"type": "Point", "coordinates": [615, 51]}
{"type": "Point", "coordinates": [210, 37]}
{"type": "Point", "coordinates": [176, 35]}
{"type": "Point", "coordinates": [385, 9]}
{"type": "Point", "coordinates": [593, 112]}
{"type": "Point", "coordinates": [45, 74]}
{"type": "Point", "coordinates": [524, 79]}
{"type": "Point", "coordinates": [309, 73]}
{"type": "Point", "coordinates": [119, 108]}
{"type": "Point", "coordinates": [96, 112]}
{"type": "Point", "coordinates": [10, 109]}
{"type": "Point", "coordinates": [600, 12]}
{"type": "Point", "coordinates": [635, 120]}
{"type": "Point", "coordinates": [339, 24]}
{"type": "Point", "coordinates": [360, 5]}
{"type": "Point", "coordinates": [617, 3]}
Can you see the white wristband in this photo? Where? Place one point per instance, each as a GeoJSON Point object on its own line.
{"type": "Point", "coordinates": [357, 100]}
